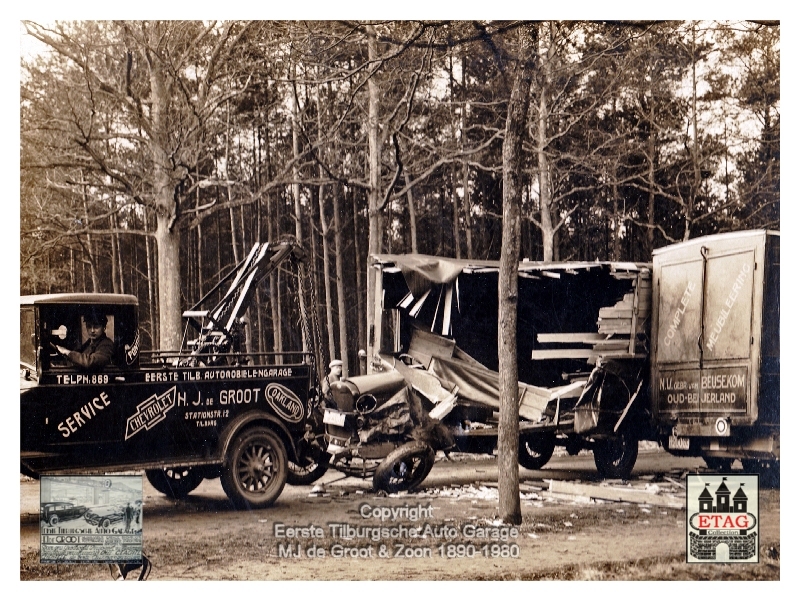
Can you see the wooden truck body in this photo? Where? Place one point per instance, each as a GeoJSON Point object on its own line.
{"type": "Point", "coordinates": [715, 355]}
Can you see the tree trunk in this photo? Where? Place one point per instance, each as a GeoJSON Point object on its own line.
{"type": "Point", "coordinates": [543, 166]}
{"type": "Point", "coordinates": [689, 209]}
{"type": "Point", "coordinates": [326, 275]}
{"type": "Point", "coordinates": [362, 340]}
{"type": "Point", "coordinates": [651, 182]}
{"type": "Point", "coordinates": [71, 269]}
{"type": "Point", "coordinates": [508, 439]}
{"type": "Point", "coordinates": [231, 210]}
{"type": "Point", "coordinates": [298, 213]}
{"type": "Point", "coordinates": [273, 233]}
{"type": "Point", "coordinates": [340, 293]}
{"type": "Point", "coordinates": [115, 272]}
{"type": "Point", "coordinates": [465, 165]}
{"type": "Point", "coordinates": [151, 291]}
{"type": "Point", "coordinates": [375, 225]}
{"type": "Point", "coordinates": [617, 221]}
{"type": "Point", "coordinates": [169, 288]}
{"type": "Point", "coordinates": [167, 238]}
{"type": "Point", "coordinates": [412, 216]}
{"type": "Point", "coordinates": [90, 247]}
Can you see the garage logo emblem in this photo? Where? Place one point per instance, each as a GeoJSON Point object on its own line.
{"type": "Point", "coordinates": [150, 412]}
{"type": "Point", "coordinates": [722, 518]}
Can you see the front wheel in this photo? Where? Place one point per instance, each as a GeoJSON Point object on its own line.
{"type": "Point", "coordinates": [174, 482]}
{"type": "Point", "coordinates": [255, 469]}
{"type": "Point", "coordinates": [404, 468]}
{"type": "Point", "coordinates": [615, 457]}
{"type": "Point", "coordinates": [536, 450]}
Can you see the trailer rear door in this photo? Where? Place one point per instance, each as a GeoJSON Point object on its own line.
{"type": "Point", "coordinates": [705, 330]}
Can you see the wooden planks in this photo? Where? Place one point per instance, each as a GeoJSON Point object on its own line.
{"type": "Point", "coordinates": [568, 338]}
{"type": "Point", "coordinates": [424, 346]}
{"type": "Point", "coordinates": [617, 494]}
{"type": "Point", "coordinates": [562, 353]}
{"type": "Point", "coordinates": [628, 316]}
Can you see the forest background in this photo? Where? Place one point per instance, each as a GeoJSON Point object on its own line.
{"type": "Point", "coordinates": [154, 154]}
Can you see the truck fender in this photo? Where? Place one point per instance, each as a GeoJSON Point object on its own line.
{"type": "Point", "coordinates": [253, 418]}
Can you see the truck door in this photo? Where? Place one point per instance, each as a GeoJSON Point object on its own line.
{"type": "Point", "coordinates": [704, 331]}
{"type": "Point", "coordinates": [727, 331]}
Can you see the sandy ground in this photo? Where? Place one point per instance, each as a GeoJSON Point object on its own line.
{"type": "Point", "coordinates": [561, 537]}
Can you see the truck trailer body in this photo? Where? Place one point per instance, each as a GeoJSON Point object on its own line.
{"type": "Point", "coordinates": [715, 356]}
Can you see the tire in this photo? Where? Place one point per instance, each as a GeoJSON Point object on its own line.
{"type": "Point", "coordinates": [53, 520]}
{"type": "Point", "coordinates": [309, 472]}
{"type": "Point", "coordinates": [255, 469]}
{"type": "Point", "coordinates": [404, 468]}
{"type": "Point", "coordinates": [536, 450]}
{"type": "Point", "coordinates": [106, 524]}
{"type": "Point", "coordinates": [615, 457]}
{"type": "Point", "coordinates": [174, 482]}
{"type": "Point", "coordinates": [719, 464]}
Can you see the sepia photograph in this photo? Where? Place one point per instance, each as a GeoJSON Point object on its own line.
{"type": "Point", "coordinates": [91, 519]}
{"type": "Point", "coordinates": [400, 300]}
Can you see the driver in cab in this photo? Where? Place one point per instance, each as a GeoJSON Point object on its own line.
{"type": "Point", "coordinates": [96, 352]}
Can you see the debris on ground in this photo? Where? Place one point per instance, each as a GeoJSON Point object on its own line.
{"type": "Point", "coordinates": [647, 494]}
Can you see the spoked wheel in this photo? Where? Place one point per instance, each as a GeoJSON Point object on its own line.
{"type": "Point", "coordinates": [309, 471]}
{"type": "Point", "coordinates": [719, 464]}
{"type": "Point", "coordinates": [404, 468]}
{"type": "Point", "coordinates": [615, 457]}
{"type": "Point", "coordinates": [536, 450]}
{"type": "Point", "coordinates": [174, 482]}
{"type": "Point", "coordinates": [256, 469]}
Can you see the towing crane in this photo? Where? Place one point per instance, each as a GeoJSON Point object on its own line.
{"type": "Point", "coordinates": [219, 329]}
{"type": "Point", "coordinates": [206, 411]}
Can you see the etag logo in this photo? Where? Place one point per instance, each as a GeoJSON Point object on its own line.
{"type": "Point", "coordinates": [722, 518]}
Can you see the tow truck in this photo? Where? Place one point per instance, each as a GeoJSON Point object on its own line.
{"type": "Point", "coordinates": [210, 410]}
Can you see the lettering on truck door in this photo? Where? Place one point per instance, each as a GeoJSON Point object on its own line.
{"type": "Point", "coordinates": [728, 306]}
{"type": "Point", "coordinates": [679, 312]}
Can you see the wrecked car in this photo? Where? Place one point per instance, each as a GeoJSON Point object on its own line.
{"type": "Point", "coordinates": [583, 363]}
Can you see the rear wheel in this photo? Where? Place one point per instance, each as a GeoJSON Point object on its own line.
{"type": "Point", "coordinates": [256, 469]}
{"type": "Point", "coordinates": [536, 450]}
{"type": "Point", "coordinates": [404, 468]}
{"type": "Point", "coordinates": [53, 520]}
{"type": "Point", "coordinates": [174, 482]}
{"type": "Point", "coordinates": [615, 457]}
